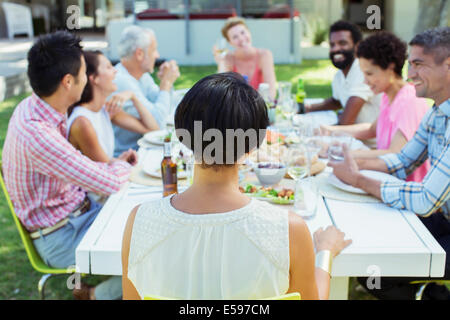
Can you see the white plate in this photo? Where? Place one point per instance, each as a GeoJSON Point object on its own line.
{"type": "Point", "coordinates": [157, 137]}
{"type": "Point", "coordinates": [152, 164]}
{"type": "Point", "coordinates": [377, 175]}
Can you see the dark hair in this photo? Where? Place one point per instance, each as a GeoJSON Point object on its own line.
{"type": "Point", "coordinates": [51, 58]}
{"type": "Point", "coordinates": [384, 48]}
{"type": "Point", "coordinates": [222, 101]}
{"type": "Point", "coordinates": [435, 41]}
{"type": "Point", "coordinates": [342, 25]}
{"type": "Point", "coordinates": [92, 63]}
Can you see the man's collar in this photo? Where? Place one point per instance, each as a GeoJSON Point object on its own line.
{"type": "Point", "coordinates": [445, 107]}
{"type": "Point", "coordinates": [46, 111]}
{"type": "Point", "coordinates": [352, 66]}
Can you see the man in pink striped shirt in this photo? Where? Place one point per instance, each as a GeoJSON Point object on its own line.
{"type": "Point", "coordinates": [46, 177]}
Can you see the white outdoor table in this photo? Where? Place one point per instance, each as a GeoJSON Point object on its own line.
{"type": "Point", "coordinates": [386, 241]}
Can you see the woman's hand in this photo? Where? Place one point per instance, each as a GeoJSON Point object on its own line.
{"type": "Point", "coordinates": [330, 239]}
{"type": "Point", "coordinates": [327, 130]}
{"type": "Point", "coordinates": [129, 156]}
{"type": "Point", "coordinates": [219, 57]}
{"type": "Point", "coordinates": [115, 103]}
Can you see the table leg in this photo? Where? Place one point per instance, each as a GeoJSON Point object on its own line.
{"type": "Point", "coordinates": [339, 288]}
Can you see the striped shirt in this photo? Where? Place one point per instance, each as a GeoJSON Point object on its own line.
{"type": "Point", "coordinates": [430, 141]}
{"type": "Point", "coordinates": [46, 177]}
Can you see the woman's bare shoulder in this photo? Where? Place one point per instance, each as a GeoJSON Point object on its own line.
{"type": "Point", "coordinates": [82, 126]}
{"type": "Point", "coordinates": [264, 53]}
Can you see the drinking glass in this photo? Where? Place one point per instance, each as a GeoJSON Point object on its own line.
{"type": "Point", "coordinates": [221, 46]}
{"type": "Point", "coordinates": [288, 108]}
{"type": "Point", "coordinates": [335, 149]}
{"type": "Point", "coordinates": [298, 160]}
{"type": "Point", "coordinates": [284, 91]}
{"type": "Point", "coordinates": [264, 91]}
{"type": "Point", "coordinates": [303, 127]}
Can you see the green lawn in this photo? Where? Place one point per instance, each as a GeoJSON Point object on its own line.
{"type": "Point", "coordinates": [18, 280]}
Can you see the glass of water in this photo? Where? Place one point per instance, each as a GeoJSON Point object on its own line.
{"type": "Point", "coordinates": [335, 149]}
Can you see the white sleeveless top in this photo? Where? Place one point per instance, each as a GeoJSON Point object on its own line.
{"type": "Point", "coordinates": [102, 125]}
{"type": "Point", "coordinates": [240, 254]}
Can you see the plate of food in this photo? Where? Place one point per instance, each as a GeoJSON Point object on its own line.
{"type": "Point", "coordinates": [157, 137]}
{"type": "Point", "coordinates": [282, 136]}
{"type": "Point", "coordinates": [274, 195]}
{"type": "Point", "coordinates": [377, 175]}
{"type": "Point", "coordinates": [152, 163]}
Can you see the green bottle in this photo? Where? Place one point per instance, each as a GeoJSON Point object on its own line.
{"type": "Point", "coordinates": [300, 96]}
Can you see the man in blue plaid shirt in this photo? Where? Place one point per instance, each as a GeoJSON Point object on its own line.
{"type": "Point", "coordinates": [429, 70]}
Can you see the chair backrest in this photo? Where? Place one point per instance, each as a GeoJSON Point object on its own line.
{"type": "Point", "coordinates": [34, 257]}
{"type": "Point", "coordinates": [287, 296]}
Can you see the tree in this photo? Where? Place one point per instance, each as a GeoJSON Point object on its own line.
{"type": "Point", "coordinates": [432, 13]}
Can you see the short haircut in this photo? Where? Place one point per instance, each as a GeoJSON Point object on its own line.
{"type": "Point", "coordinates": [92, 63]}
{"type": "Point", "coordinates": [230, 23]}
{"type": "Point", "coordinates": [434, 41]}
{"type": "Point", "coordinates": [51, 58]}
{"type": "Point", "coordinates": [384, 48]}
{"type": "Point", "coordinates": [342, 25]}
{"type": "Point", "coordinates": [223, 101]}
{"type": "Point", "coordinates": [132, 38]}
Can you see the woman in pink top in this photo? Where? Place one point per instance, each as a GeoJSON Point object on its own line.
{"type": "Point", "coordinates": [381, 58]}
{"type": "Point", "coordinates": [256, 64]}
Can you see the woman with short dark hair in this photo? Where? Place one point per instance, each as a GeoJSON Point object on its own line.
{"type": "Point", "coordinates": [212, 241]}
{"type": "Point", "coordinates": [381, 58]}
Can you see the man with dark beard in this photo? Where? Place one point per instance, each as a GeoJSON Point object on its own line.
{"type": "Point", "coordinates": [348, 87]}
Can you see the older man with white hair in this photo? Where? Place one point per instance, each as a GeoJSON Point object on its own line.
{"type": "Point", "coordinates": [138, 52]}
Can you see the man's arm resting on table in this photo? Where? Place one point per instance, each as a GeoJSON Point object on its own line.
{"type": "Point", "coordinates": [369, 185]}
{"type": "Point", "coordinates": [328, 104]}
{"type": "Point", "coordinates": [375, 164]}
{"type": "Point", "coordinates": [349, 172]}
{"type": "Point", "coordinates": [351, 110]}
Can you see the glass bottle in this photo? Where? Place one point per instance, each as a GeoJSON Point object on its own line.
{"type": "Point", "coordinates": [300, 96]}
{"type": "Point", "coordinates": [169, 169]}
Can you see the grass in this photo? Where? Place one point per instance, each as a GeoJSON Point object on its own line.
{"type": "Point", "coordinates": [18, 280]}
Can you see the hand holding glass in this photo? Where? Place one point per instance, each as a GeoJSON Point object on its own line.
{"type": "Point", "coordinates": [335, 150]}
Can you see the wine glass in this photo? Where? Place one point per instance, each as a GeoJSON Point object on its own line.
{"type": "Point", "coordinates": [288, 109]}
{"type": "Point", "coordinates": [221, 46]}
{"type": "Point", "coordinates": [298, 160]}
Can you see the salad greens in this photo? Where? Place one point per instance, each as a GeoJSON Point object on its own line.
{"type": "Point", "coordinates": [283, 196]}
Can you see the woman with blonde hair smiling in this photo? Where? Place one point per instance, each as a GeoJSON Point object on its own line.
{"type": "Point", "coordinates": [254, 63]}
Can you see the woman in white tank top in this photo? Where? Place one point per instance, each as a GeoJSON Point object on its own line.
{"type": "Point", "coordinates": [89, 126]}
{"type": "Point", "coordinates": [212, 241]}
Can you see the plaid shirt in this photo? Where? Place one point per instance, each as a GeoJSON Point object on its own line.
{"type": "Point", "coordinates": [430, 141]}
{"type": "Point", "coordinates": [45, 175]}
